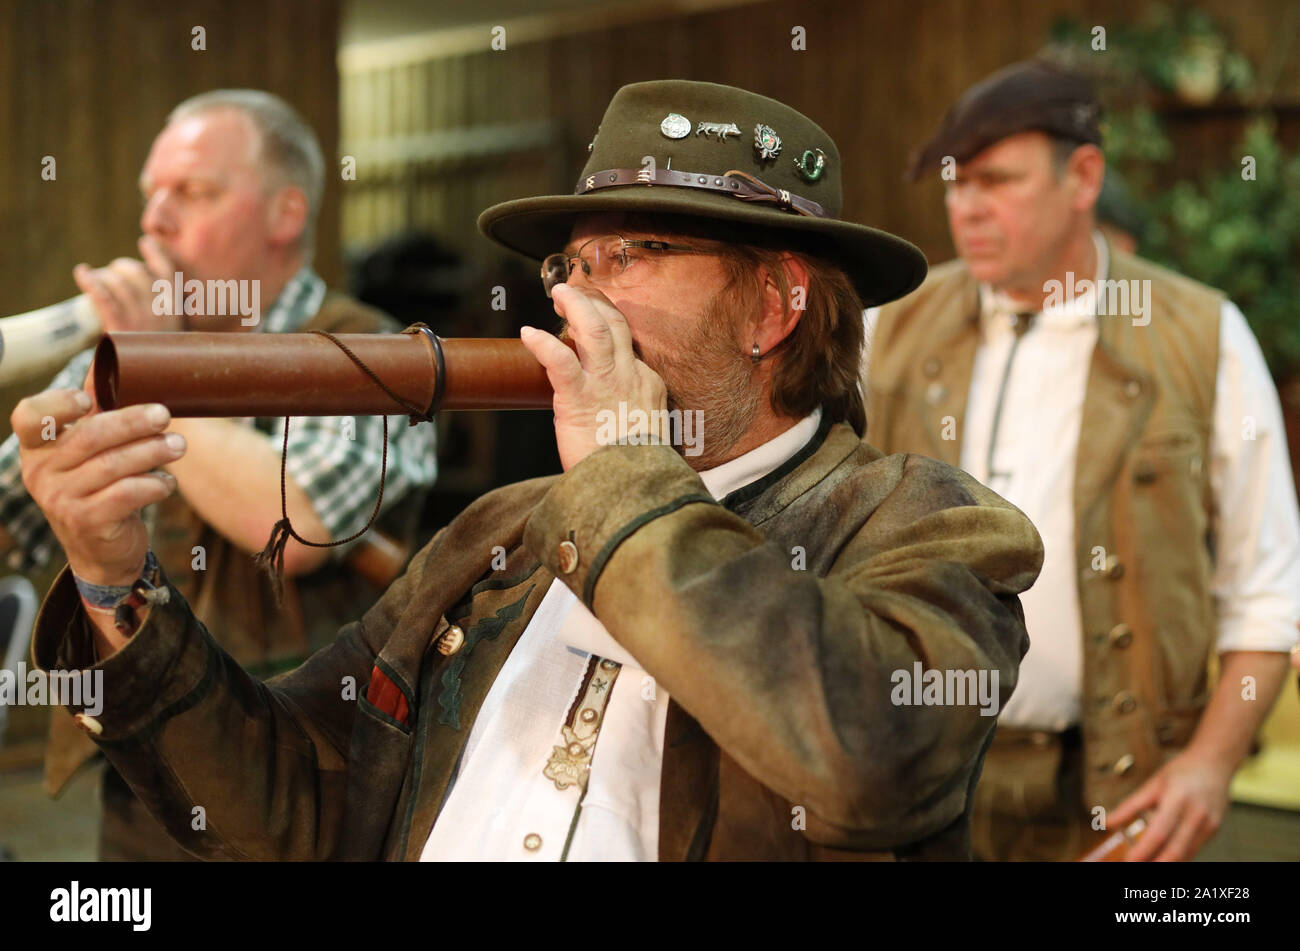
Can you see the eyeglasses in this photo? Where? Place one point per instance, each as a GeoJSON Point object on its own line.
{"type": "Point", "coordinates": [605, 261]}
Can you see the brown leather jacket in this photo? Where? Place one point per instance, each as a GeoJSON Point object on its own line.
{"type": "Point", "coordinates": [780, 678]}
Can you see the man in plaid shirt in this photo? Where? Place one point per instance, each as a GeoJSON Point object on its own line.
{"type": "Point", "coordinates": [232, 189]}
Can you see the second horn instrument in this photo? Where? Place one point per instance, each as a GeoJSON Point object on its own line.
{"type": "Point", "coordinates": [198, 374]}
{"type": "Point", "coordinates": [36, 345]}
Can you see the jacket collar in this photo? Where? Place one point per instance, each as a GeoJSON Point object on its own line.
{"type": "Point", "coordinates": [829, 446]}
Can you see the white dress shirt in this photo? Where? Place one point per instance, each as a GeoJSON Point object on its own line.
{"type": "Point", "coordinates": [502, 807]}
{"type": "Point", "coordinates": [1256, 583]}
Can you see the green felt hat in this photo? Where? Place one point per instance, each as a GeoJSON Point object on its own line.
{"type": "Point", "coordinates": [673, 147]}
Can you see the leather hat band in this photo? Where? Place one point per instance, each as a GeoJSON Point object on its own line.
{"type": "Point", "coordinates": [735, 183]}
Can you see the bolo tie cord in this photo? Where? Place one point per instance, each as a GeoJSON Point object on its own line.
{"type": "Point", "coordinates": [271, 558]}
{"type": "Point", "coordinates": [1022, 324]}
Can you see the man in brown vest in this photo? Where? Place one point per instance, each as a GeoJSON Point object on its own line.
{"type": "Point", "coordinates": [232, 190]}
{"type": "Point", "coordinates": [1128, 412]}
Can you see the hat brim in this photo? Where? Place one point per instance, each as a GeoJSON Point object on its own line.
{"type": "Point", "coordinates": [882, 266]}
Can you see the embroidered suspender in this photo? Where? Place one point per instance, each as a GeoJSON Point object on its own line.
{"type": "Point", "coordinates": [570, 762]}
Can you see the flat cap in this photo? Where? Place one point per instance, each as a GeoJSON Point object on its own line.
{"type": "Point", "coordinates": [1035, 95]}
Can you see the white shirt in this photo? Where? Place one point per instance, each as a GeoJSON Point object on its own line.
{"type": "Point", "coordinates": [1256, 583]}
{"type": "Point", "coordinates": [501, 797]}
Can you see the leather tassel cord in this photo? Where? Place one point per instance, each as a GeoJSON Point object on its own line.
{"type": "Point", "coordinates": [271, 558]}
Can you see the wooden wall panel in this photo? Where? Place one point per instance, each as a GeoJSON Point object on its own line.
{"type": "Point", "coordinates": [877, 75]}
{"type": "Point", "coordinates": [90, 83]}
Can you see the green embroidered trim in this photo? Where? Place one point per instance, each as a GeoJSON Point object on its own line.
{"type": "Point", "coordinates": [487, 628]}
{"type": "Point", "coordinates": [465, 607]}
{"type": "Point", "coordinates": [598, 563]}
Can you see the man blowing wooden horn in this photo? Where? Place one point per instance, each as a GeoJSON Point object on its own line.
{"type": "Point", "coordinates": [667, 652]}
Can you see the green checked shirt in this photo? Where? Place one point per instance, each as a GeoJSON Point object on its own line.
{"type": "Point", "coordinates": [335, 460]}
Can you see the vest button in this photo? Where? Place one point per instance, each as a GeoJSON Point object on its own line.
{"type": "Point", "coordinates": [1121, 635]}
{"type": "Point", "coordinates": [451, 641]}
{"type": "Point", "coordinates": [1123, 765]}
{"type": "Point", "coordinates": [1144, 473]}
{"type": "Point", "coordinates": [935, 393]}
{"type": "Point", "coordinates": [1125, 702]}
{"type": "Point", "coordinates": [1132, 389]}
{"type": "Point", "coordinates": [1114, 567]}
{"type": "Point", "coordinates": [931, 366]}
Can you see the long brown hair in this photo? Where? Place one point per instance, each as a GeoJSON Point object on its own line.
{"type": "Point", "coordinates": [818, 362]}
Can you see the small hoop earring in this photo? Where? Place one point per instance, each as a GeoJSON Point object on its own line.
{"type": "Point", "coordinates": [754, 355]}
